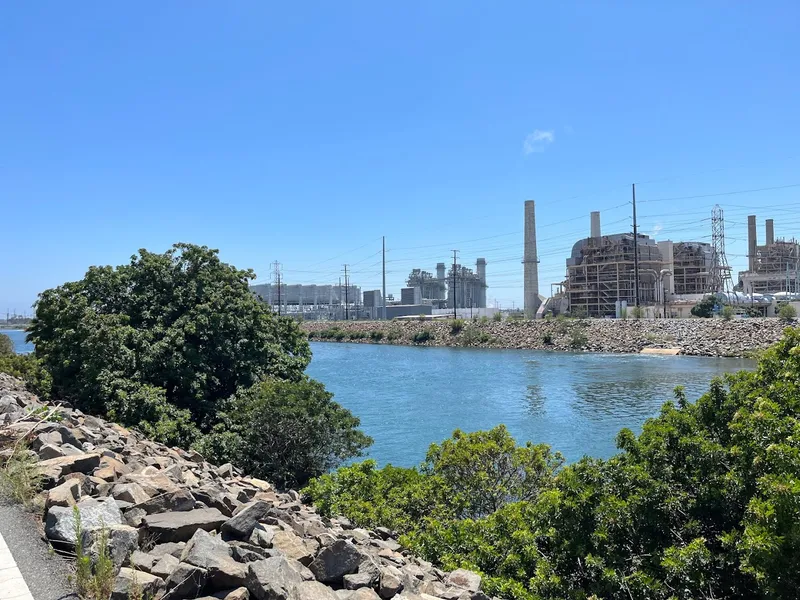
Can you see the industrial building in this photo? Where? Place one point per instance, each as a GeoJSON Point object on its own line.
{"type": "Point", "coordinates": [773, 267]}
{"type": "Point", "coordinates": [468, 287]}
{"type": "Point", "coordinates": [312, 301]}
{"type": "Point", "coordinates": [601, 271]}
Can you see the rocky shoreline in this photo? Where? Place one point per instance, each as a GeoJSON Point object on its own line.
{"type": "Point", "coordinates": [179, 527]}
{"type": "Point", "coordinates": [695, 337]}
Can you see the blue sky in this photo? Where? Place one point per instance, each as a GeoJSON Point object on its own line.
{"type": "Point", "coordinates": [303, 133]}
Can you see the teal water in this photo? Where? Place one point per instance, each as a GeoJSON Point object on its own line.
{"type": "Point", "coordinates": [18, 338]}
{"type": "Point", "coordinates": [409, 397]}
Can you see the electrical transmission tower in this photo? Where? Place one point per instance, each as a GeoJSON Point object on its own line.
{"type": "Point", "coordinates": [721, 279]}
{"type": "Point", "coordinates": [277, 280]}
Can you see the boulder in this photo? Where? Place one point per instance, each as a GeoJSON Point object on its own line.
{"type": "Point", "coordinates": [180, 526]}
{"type": "Point", "coordinates": [241, 525]}
{"type": "Point", "coordinates": [469, 580]}
{"type": "Point", "coordinates": [129, 492]}
{"type": "Point", "coordinates": [173, 548]}
{"type": "Point", "coordinates": [177, 501]}
{"type": "Point", "coordinates": [272, 579]}
{"type": "Point", "coordinates": [390, 582]}
{"type": "Point", "coordinates": [66, 494]}
{"type": "Point", "coordinates": [214, 555]}
{"type": "Point", "coordinates": [142, 561]}
{"type": "Point", "coordinates": [186, 581]}
{"type": "Point", "coordinates": [244, 553]}
{"type": "Point", "coordinates": [356, 581]}
{"type": "Point", "coordinates": [237, 594]}
{"type": "Point", "coordinates": [313, 590]}
{"type": "Point", "coordinates": [128, 579]}
{"type": "Point", "coordinates": [164, 566]}
{"type": "Point", "coordinates": [121, 541]}
{"type": "Point", "coordinates": [55, 468]}
{"type": "Point", "coordinates": [262, 535]}
{"type": "Point", "coordinates": [294, 547]}
{"type": "Point", "coordinates": [335, 561]}
{"type": "Point", "coordinates": [60, 521]}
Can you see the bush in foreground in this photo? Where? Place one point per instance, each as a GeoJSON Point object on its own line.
{"type": "Point", "coordinates": [704, 503]}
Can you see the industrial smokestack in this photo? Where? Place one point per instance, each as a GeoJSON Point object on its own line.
{"type": "Point", "coordinates": [770, 232]}
{"type": "Point", "coordinates": [440, 271]}
{"type": "Point", "coordinates": [751, 242]}
{"type": "Point", "coordinates": [595, 224]}
{"type": "Point", "coordinates": [481, 271]}
{"type": "Point", "coordinates": [531, 262]}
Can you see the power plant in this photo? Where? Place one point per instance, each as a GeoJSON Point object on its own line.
{"type": "Point", "coordinates": [605, 275]}
{"type": "Point", "coordinates": [773, 267]}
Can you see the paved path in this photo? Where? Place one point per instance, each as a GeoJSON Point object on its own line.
{"type": "Point", "coordinates": [27, 570]}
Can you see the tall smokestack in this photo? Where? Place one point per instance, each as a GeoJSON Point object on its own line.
{"type": "Point", "coordinates": [595, 224]}
{"type": "Point", "coordinates": [531, 262]}
{"type": "Point", "coordinates": [751, 242]}
{"type": "Point", "coordinates": [770, 232]}
{"type": "Point", "coordinates": [481, 270]}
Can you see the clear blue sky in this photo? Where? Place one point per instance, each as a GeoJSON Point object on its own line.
{"type": "Point", "coordinates": [274, 132]}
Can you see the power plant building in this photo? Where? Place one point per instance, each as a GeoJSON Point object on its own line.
{"type": "Point", "coordinates": [773, 267]}
{"type": "Point", "coordinates": [306, 295]}
{"type": "Point", "coordinates": [467, 286]}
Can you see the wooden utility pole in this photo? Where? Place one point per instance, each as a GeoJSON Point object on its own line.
{"type": "Point", "coordinates": [635, 248]}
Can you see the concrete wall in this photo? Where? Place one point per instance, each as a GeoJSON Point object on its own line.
{"type": "Point", "coordinates": [408, 310]}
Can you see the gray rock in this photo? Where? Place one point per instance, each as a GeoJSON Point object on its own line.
{"type": "Point", "coordinates": [335, 561]}
{"type": "Point", "coordinates": [262, 535]}
{"type": "Point", "coordinates": [173, 548]}
{"type": "Point", "coordinates": [214, 555]}
{"type": "Point", "coordinates": [141, 561]}
{"type": "Point", "coordinates": [314, 590]}
{"type": "Point", "coordinates": [177, 501]}
{"type": "Point", "coordinates": [129, 492]}
{"type": "Point", "coordinates": [469, 580]}
{"type": "Point", "coordinates": [244, 553]}
{"type": "Point", "coordinates": [164, 566]}
{"type": "Point", "coordinates": [121, 541]}
{"type": "Point", "coordinates": [355, 581]}
{"type": "Point", "coordinates": [186, 581]}
{"type": "Point", "coordinates": [60, 520]}
{"type": "Point", "coordinates": [67, 494]}
{"type": "Point", "coordinates": [55, 468]}
{"type": "Point", "coordinates": [149, 585]}
{"type": "Point", "coordinates": [180, 526]}
{"type": "Point", "coordinates": [272, 579]}
{"type": "Point", "coordinates": [390, 583]}
{"type": "Point", "coordinates": [242, 524]}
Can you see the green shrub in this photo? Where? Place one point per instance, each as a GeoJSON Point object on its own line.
{"type": "Point", "coordinates": [456, 325]}
{"type": "Point", "coordinates": [394, 334]}
{"type": "Point", "coordinates": [286, 432]}
{"type": "Point", "coordinates": [473, 336]}
{"type": "Point", "coordinates": [547, 339]}
{"type": "Point", "coordinates": [787, 312]}
{"type": "Point", "coordinates": [20, 479]}
{"type": "Point", "coordinates": [704, 308]}
{"type": "Point", "coordinates": [28, 368]}
{"type": "Point", "coordinates": [376, 336]}
{"type": "Point", "coordinates": [497, 317]}
{"type": "Point", "coordinates": [6, 345]}
{"type": "Point", "coordinates": [578, 312]}
{"type": "Point", "coordinates": [728, 312]}
{"type": "Point", "coordinates": [637, 312]}
{"type": "Point", "coordinates": [578, 339]}
{"type": "Point", "coordinates": [422, 336]}
{"type": "Point", "coordinates": [483, 320]}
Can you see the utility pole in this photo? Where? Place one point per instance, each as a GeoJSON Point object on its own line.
{"type": "Point", "coordinates": [455, 314]}
{"type": "Point", "coordinates": [346, 300]}
{"type": "Point", "coordinates": [340, 311]}
{"type": "Point", "coordinates": [635, 248]}
{"type": "Point", "coordinates": [277, 267]}
{"type": "Point", "coordinates": [383, 295]}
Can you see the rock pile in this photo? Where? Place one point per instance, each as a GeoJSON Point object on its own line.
{"type": "Point", "coordinates": [697, 337]}
{"type": "Point", "coordinates": [178, 527]}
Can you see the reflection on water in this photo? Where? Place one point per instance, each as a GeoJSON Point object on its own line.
{"type": "Point", "coordinates": [409, 397]}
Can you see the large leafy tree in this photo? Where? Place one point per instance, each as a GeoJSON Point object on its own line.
{"type": "Point", "coordinates": [182, 322]}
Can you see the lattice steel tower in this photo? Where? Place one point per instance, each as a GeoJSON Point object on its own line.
{"type": "Point", "coordinates": [721, 276]}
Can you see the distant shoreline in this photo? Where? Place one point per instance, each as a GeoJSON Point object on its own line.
{"type": "Point", "coordinates": [741, 338]}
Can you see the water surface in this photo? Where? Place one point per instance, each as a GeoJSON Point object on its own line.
{"type": "Point", "coordinates": [408, 397]}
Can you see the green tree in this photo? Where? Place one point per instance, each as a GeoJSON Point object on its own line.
{"type": "Point", "coordinates": [284, 431]}
{"type": "Point", "coordinates": [182, 321]}
{"type": "Point", "coordinates": [787, 312]}
{"type": "Point", "coordinates": [704, 307]}
{"type": "Point", "coordinates": [486, 470]}
{"type": "Point", "coordinates": [6, 345]}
